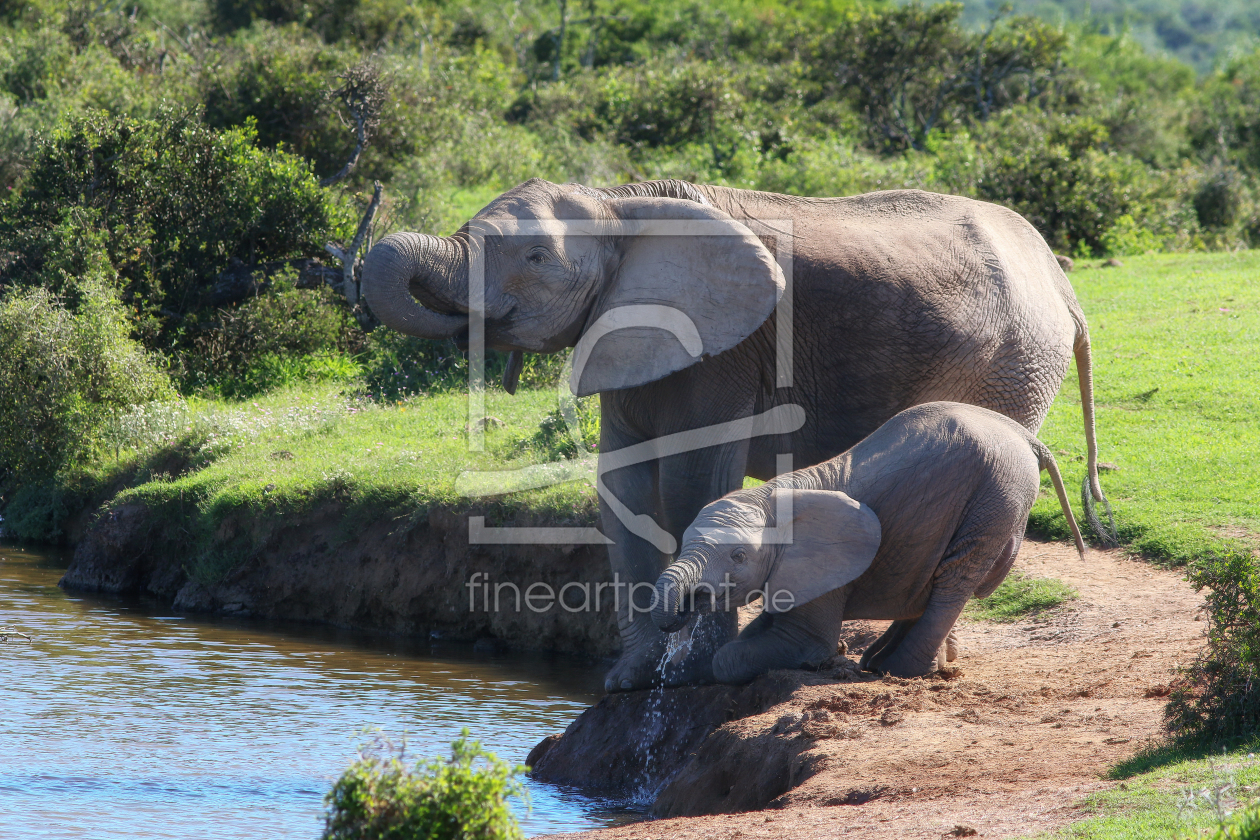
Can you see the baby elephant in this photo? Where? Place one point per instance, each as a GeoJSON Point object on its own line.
{"type": "Point", "coordinates": [910, 523]}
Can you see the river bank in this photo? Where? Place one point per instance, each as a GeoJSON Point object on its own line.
{"type": "Point", "coordinates": [415, 575]}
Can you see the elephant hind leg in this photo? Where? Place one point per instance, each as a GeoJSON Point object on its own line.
{"type": "Point", "coordinates": [882, 647]}
{"type": "Point", "coordinates": [1001, 568]}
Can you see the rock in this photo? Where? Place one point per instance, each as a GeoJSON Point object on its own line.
{"type": "Point", "coordinates": [1105, 467]}
{"type": "Point", "coordinates": [1112, 263]}
{"type": "Point", "coordinates": [1065, 263]}
{"type": "Point", "coordinates": [686, 748]}
{"type": "Point", "coordinates": [489, 645]}
{"type": "Point", "coordinates": [541, 749]}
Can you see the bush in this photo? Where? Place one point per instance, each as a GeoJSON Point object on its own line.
{"type": "Point", "coordinates": [379, 797]}
{"type": "Point", "coordinates": [397, 366]}
{"type": "Point", "coordinates": [64, 375]}
{"type": "Point", "coordinates": [1241, 825]}
{"type": "Point", "coordinates": [283, 335]}
{"type": "Point", "coordinates": [1218, 700]}
{"type": "Point", "coordinates": [1219, 199]}
{"type": "Point", "coordinates": [170, 203]}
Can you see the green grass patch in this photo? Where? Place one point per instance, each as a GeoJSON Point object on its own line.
{"type": "Point", "coordinates": [1020, 596]}
{"type": "Point", "coordinates": [1168, 792]}
{"type": "Point", "coordinates": [296, 449]}
{"type": "Point", "coordinates": [1176, 345]}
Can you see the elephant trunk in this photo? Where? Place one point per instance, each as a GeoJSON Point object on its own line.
{"type": "Point", "coordinates": [673, 593]}
{"type": "Point", "coordinates": [405, 266]}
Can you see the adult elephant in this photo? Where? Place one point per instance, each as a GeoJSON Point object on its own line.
{"type": "Point", "coordinates": [898, 298]}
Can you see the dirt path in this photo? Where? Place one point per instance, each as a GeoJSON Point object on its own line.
{"type": "Point", "coordinates": [1010, 746]}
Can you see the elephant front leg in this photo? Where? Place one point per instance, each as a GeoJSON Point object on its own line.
{"type": "Point", "coordinates": [802, 637]}
{"type": "Point", "coordinates": [688, 482]}
{"type": "Point", "coordinates": [636, 563]}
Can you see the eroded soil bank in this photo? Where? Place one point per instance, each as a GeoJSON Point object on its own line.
{"type": "Point", "coordinates": [1008, 745]}
{"type": "Point", "coordinates": [406, 575]}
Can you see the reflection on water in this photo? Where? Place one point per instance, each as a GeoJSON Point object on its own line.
{"type": "Point", "coordinates": [118, 721]}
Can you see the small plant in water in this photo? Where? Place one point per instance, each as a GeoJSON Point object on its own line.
{"type": "Point", "coordinates": [465, 797]}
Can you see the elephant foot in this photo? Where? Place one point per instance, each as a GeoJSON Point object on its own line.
{"type": "Point", "coordinates": [897, 664]}
{"type": "Point", "coordinates": [952, 646]}
{"type": "Point", "coordinates": [883, 647]}
{"type": "Point", "coordinates": [638, 666]}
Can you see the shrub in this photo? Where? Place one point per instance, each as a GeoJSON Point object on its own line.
{"type": "Point", "coordinates": [1219, 198]}
{"type": "Point", "coordinates": [397, 366]}
{"type": "Point", "coordinates": [379, 796]}
{"type": "Point", "coordinates": [64, 374]}
{"type": "Point", "coordinates": [1218, 700]}
{"type": "Point", "coordinates": [283, 335]}
{"type": "Point", "coordinates": [1241, 825]}
{"type": "Point", "coordinates": [170, 202]}
{"type": "Point", "coordinates": [1057, 173]}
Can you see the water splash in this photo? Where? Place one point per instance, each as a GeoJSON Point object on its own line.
{"type": "Point", "coordinates": [659, 710]}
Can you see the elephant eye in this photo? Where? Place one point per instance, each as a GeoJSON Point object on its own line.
{"type": "Point", "coordinates": [739, 555]}
{"type": "Point", "coordinates": [537, 256]}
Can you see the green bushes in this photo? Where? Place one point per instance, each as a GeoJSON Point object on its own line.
{"type": "Point", "coordinates": [166, 203]}
{"type": "Point", "coordinates": [65, 373]}
{"type": "Point", "coordinates": [397, 366]}
{"type": "Point", "coordinates": [380, 798]}
{"type": "Point", "coordinates": [284, 335]}
{"type": "Point", "coordinates": [1218, 700]}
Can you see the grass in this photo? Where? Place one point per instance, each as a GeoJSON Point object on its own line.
{"type": "Point", "coordinates": [298, 448]}
{"type": "Point", "coordinates": [1020, 596]}
{"type": "Point", "coordinates": [1168, 792]}
{"type": "Point", "coordinates": [1176, 345]}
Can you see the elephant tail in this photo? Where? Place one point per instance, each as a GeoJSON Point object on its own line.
{"type": "Point", "coordinates": [1046, 462]}
{"type": "Point", "coordinates": [1091, 489]}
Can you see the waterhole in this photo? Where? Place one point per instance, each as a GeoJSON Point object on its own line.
{"type": "Point", "coordinates": [121, 720]}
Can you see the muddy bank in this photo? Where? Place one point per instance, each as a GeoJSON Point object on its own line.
{"type": "Point", "coordinates": [1008, 744]}
{"type": "Point", "coordinates": [404, 575]}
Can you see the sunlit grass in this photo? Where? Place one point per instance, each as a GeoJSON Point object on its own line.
{"type": "Point", "coordinates": [1020, 596]}
{"type": "Point", "coordinates": [1174, 798]}
{"type": "Point", "coordinates": [1176, 344]}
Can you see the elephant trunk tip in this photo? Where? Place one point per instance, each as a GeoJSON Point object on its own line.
{"type": "Point", "coordinates": [668, 613]}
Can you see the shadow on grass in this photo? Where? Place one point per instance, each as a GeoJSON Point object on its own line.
{"type": "Point", "coordinates": [1159, 754]}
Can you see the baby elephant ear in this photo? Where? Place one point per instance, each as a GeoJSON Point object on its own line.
{"type": "Point", "coordinates": [834, 540]}
{"type": "Point", "coordinates": [692, 282]}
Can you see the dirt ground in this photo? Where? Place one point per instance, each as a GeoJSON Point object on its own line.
{"type": "Point", "coordinates": [1010, 746]}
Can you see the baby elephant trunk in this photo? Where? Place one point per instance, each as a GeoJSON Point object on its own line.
{"type": "Point", "coordinates": [673, 594]}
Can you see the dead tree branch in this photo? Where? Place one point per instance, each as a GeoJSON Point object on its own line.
{"type": "Point", "coordinates": [363, 93]}
{"type": "Point", "coordinates": [348, 284]}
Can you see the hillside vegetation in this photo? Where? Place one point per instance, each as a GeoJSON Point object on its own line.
{"type": "Point", "coordinates": [173, 171]}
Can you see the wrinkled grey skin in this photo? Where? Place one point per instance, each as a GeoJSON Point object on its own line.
{"type": "Point", "coordinates": [899, 298]}
{"type": "Point", "coordinates": [908, 525]}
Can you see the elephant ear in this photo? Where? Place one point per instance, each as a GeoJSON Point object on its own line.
{"type": "Point", "coordinates": [834, 540]}
{"type": "Point", "coordinates": [692, 282]}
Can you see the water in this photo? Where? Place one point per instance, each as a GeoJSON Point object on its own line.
{"type": "Point", "coordinates": [120, 720]}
